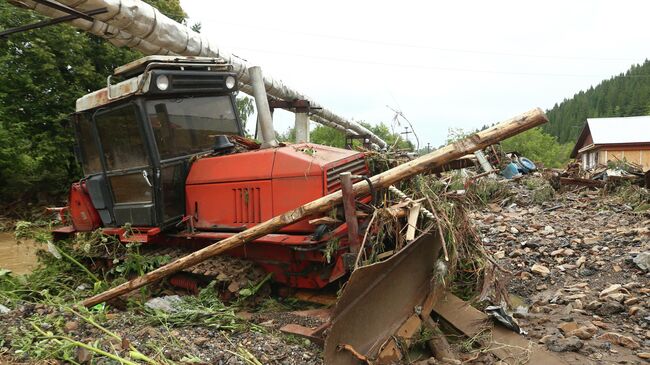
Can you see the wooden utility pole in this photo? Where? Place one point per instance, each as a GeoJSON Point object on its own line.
{"type": "Point", "coordinates": [426, 162]}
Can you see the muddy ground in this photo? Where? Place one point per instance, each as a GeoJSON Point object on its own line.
{"type": "Point", "coordinates": [569, 258]}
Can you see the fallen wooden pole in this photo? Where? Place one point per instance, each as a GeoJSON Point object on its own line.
{"type": "Point", "coordinates": [350, 210]}
{"type": "Point", "coordinates": [431, 160]}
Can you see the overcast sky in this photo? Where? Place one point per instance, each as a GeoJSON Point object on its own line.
{"type": "Point", "coordinates": [452, 64]}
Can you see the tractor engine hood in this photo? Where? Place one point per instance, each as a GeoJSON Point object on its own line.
{"type": "Point", "coordinates": [304, 159]}
{"type": "Point", "coordinates": [243, 189]}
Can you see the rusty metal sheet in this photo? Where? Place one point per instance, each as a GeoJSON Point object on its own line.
{"type": "Point", "coordinates": [379, 298]}
{"type": "Point", "coordinates": [509, 346]}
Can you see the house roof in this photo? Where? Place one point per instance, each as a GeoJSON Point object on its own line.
{"type": "Point", "coordinates": [617, 130]}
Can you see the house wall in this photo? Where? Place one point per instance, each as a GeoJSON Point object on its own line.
{"type": "Point", "coordinates": [638, 155]}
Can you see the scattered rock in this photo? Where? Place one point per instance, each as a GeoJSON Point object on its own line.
{"type": "Point", "coordinates": [568, 327]}
{"type": "Point", "coordinates": [540, 270]}
{"type": "Point", "coordinates": [618, 339]}
{"type": "Point", "coordinates": [168, 304]}
{"type": "Point", "coordinates": [584, 332]}
{"type": "Point", "coordinates": [600, 324]}
{"type": "Point", "coordinates": [642, 260]}
{"type": "Point", "coordinates": [631, 301]}
{"type": "Point", "coordinates": [70, 326]}
{"type": "Point", "coordinates": [558, 344]}
{"type": "Point", "coordinates": [83, 355]}
{"type": "Point", "coordinates": [610, 307]}
{"type": "Point", "coordinates": [612, 289]}
{"type": "Point", "coordinates": [4, 310]}
{"type": "Point", "coordinates": [643, 355]}
{"type": "Point", "coordinates": [200, 341]}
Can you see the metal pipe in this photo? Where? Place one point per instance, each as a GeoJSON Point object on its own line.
{"type": "Point", "coordinates": [138, 25]}
{"type": "Point", "coordinates": [302, 127]}
{"type": "Point", "coordinates": [483, 161]}
{"type": "Point", "coordinates": [264, 117]}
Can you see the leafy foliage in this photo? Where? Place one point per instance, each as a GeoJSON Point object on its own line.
{"type": "Point", "coordinates": [245, 108]}
{"type": "Point", "coordinates": [333, 137]}
{"type": "Point", "coordinates": [625, 95]}
{"type": "Point", "coordinates": [327, 136]}
{"type": "Point", "coordinates": [540, 147]}
{"type": "Point", "coordinates": [43, 72]}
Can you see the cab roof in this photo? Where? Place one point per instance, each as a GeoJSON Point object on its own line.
{"type": "Point", "coordinates": [135, 78]}
{"type": "Point", "coordinates": [138, 66]}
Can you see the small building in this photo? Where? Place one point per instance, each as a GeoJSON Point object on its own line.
{"type": "Point", "coordinates": [614, 139]}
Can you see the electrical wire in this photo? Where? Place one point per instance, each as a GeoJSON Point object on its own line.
{"type": "Point", "coordinates": [417, 46]}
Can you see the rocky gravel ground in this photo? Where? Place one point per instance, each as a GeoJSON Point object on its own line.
{"type": "Point", "coordinates": [579, 264]}
{"type": "Point", "coordinates": [199, 343]}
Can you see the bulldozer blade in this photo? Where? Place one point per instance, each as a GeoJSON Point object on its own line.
{"type": "Point", "coordinates": [378, 299]}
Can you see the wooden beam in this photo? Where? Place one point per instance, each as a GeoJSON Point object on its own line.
{"type": "Point", "coordinates": [426, 162]}
{"type": "Point", "coordinates": [350, 210]}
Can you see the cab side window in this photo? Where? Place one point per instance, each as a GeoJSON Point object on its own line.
{"type": "Point", "coordinates": [121, 139]}
{"type": "Point", "coordinates": [87, 146]}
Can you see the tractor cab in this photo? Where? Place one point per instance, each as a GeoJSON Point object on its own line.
{"type": "Point", "coordinates": [137, 137]}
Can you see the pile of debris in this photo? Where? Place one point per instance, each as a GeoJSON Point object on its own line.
{"type": "Point", "coordinates": [614, 173]}
{"type": "Point", "coordinates": [580, 277]}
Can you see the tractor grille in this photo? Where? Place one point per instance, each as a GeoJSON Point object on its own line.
{"type": "Point", "coordinates": [191, 82]}
{"type": "Point", "coordinates": [248, 208]}
{"type": "Point", "coordinates": [356, 167]}
{"type": "Point", "coordinates": [204, 81]}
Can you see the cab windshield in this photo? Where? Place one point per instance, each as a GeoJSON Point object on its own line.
{"type": "Point", "coordinates": [184, 126]}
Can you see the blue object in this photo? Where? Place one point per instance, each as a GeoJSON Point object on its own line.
{"type": "Point", "coordinates": [510, 171]}
{"type": "Point", "coordinates": [526, 165]}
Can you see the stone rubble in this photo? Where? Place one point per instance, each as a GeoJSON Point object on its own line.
{"type": "Point", "coordinates": [579, 263]}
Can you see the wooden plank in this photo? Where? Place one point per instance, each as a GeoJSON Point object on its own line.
{"type": "Point", "coordinates": [414, 213]}
{"type": "Point", "coordinates": [305, 332]}
{"type": "Point", "coordinates": [391, 352]}
{"type": "Point", "coordinates": [508, 346]}
{"type": "Point", "coordinates": [424, 163]}
{"type": "Point", "coordinates": [581, 182]}
{"type": "Point", "coordinates": [350, 210]}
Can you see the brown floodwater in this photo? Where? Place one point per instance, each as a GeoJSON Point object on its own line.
{"type": "Point", "coordinates": [19, 257]}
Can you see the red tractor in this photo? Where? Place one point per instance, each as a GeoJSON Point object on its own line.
{"type": "Point", "coordinates": [166, 163]}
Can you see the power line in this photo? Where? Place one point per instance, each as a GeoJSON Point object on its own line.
{"type": "Point", "coordinates": [422, 46]}
{"type": "Point", "coordinates": [427, 67]}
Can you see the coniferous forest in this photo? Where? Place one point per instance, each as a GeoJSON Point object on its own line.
{"type": "Point", "coordinates": [625, 95]}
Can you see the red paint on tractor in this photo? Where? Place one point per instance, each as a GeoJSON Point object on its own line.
{"type": "Point", "coordinates": [83, 213]}
{"type": "Point", "coordinates": [227, 194]}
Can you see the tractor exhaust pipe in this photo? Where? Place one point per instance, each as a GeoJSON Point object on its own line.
{"type": "Point", "coordinates": [264, 116]}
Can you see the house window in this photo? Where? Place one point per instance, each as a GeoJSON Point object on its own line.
{"type": "Point", "coordinates": [589, 160]}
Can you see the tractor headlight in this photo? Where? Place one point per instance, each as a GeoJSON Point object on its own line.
{"type": "Point", "coordinates": [162, 82]}
{"type": "Point", "coordinates": [230, 82]}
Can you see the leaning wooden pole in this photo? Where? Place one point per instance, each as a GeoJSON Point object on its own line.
{"type": "Point", "coordinates": [434, 159]}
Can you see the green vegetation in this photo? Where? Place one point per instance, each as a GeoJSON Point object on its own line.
{"type": "Point", "coordinates": [539, 147]}
{"type": "Point", "coordinates": [625, 95]}
{"type": "Point", "coordinates": [332, 137]}
{"type": "Point", "coordinates": [541, 188]}
{"type": "Point", "coordinates": [44, 324]}
{"type": "Point", "coordinates": [636, 197]}
{"type": "Point", "coordinates": [43, 72]}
